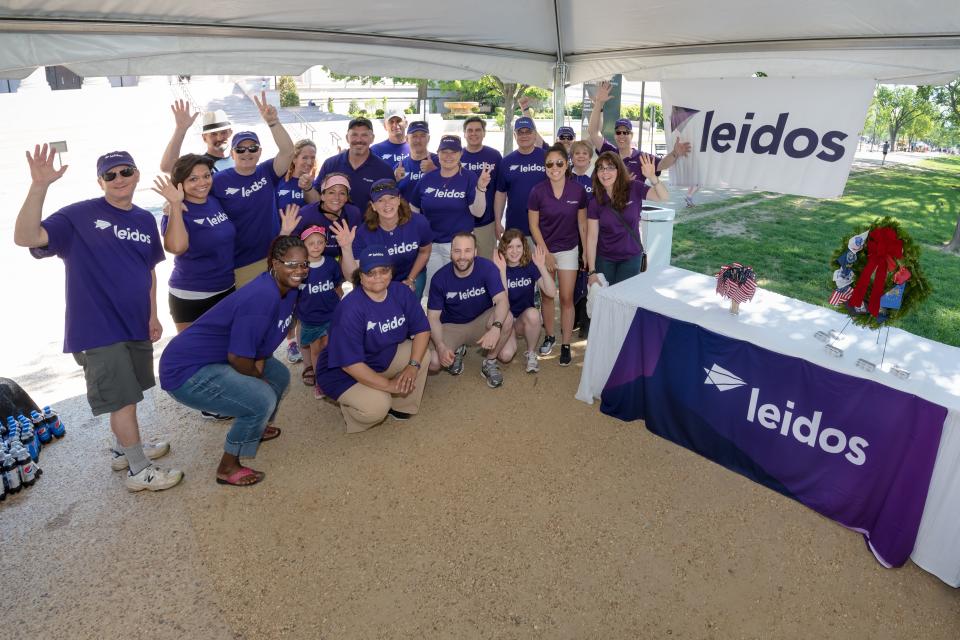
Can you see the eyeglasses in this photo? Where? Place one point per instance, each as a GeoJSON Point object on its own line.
{"type": "Point", "coordinates": [606, 168]}
{"type": "Point", "coordinates": [554, 163]}
{"type": "Point", "coordinates": [291, 264]}
{"type": "Point", "coordinates": [126, 172]}
{"type": "Point", "coordinates": [252, 149]}
{"type": "Point", "coordinates": [383, 186]}
{"type": "Point", "coordinates": [623, 132]}
{"type": "Point", "coordinates": [566, 138]}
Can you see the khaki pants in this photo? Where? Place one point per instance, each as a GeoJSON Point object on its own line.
{"type": "Point", "coordinates": [486, 240]}
{"type": "Point", "coordinates": [455, 335]}
{"type": "Point", "coordinates": [363, 407]}
{"type": "Point", "coordinates": [243, 275]}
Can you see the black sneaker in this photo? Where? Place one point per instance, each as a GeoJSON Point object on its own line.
{"type": "Point", "coordinates": [565, 357]}
{"type": "Point", "coordinates": [547, 346]}
{"type": "Point", "coordinates": [399, 415]}
{"type": "Point", "coordinates": [214, 416]}
{"type": "Point", "coordinates": [456, 368]}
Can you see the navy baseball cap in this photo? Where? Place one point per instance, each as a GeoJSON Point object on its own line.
{"type": "Point", "coordinates": [113, 159]}
{"type": "Point", "coordinates": [523, 122]}
{"type": "Point", "coordinates": [373, 256]}
{"type": "Point", "coordinates": [383, 187]}
{"type": "Point", "coordinates": [418, 125]}
{"type": "Point", "coordinates": [450, 143]}
{"type": "Point", "coordinates": [240, 136]}
{"type": "Point", "coordinates": [624, 122]}
{"type": "Point", "coordinates": [566, 131]}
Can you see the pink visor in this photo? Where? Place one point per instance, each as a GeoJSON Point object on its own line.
{"type": "Point", "coordinates": [334, 180]}
{"type": "Point", "coordinates": [309, 231]}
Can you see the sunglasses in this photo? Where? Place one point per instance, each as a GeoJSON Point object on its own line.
{"type": "Point", "coordinates": [384, 186]}
{"type": "Point", "coordinates": [252, 149]}
{"type": "Point", "coordinates": [554, 163]}
{"type": "Point", "coordinates": [126, 172]}
{"type": "Point", "coordinates": [623, 132]}
{"type": "Point", "coordinates": [566, 137]}
{"type": "Point", "coordinates": [292, 264]}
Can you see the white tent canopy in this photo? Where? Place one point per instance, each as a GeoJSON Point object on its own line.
{"type": "Point", "coordinates": [904, 41]}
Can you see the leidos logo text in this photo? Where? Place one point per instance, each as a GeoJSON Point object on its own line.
{"type": "Point", "coordinates": [769, 138]}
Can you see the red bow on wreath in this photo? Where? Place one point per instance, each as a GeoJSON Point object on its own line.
{"type": "Point", "coordinates": [883, 247]}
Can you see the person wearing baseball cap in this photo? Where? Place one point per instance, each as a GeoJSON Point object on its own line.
{"type": "Point", "coordinates": [519, 171]}
{"type": "Point", "coordinates": [360, 166]}
{"type": "Point", "coordinates": [215, 129]}
{"type": "Point", "coordinates": [419, 163]}
{"type": "Point", "coordinates": [395, 148]}
{"type": "Point", "coordinates": [109, 248]}
{"type": "Point", "coordinates": [566, 136]}
{"type": "Point", "coordinates": [374, 364]}
{"type": "Point", "coordinates": [623, 133]}
{"type": "Point", "coordinates": [319, 295]}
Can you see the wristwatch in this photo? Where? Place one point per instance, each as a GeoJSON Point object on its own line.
{"type": "Point", "coordinates": [413, 363]}
{"type": "Point", "coordinates": [498, 324]}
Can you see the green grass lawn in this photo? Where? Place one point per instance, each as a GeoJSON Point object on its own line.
{"type": "Point", "coordinates": [788, 240]}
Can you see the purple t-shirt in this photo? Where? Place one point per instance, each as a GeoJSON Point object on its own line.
{"type": "Point", "coordinates": [632, 162]}
{"type": "Point", "coordinates": [586, 181]}
{"type": "Point", "coordinates": [408, 186]}
{"type": "Point", "coordinates": [207, 264]}
{"type": "Point", "coordinates": [363, 330]}
{"type": "Point", "coordinates": [521, 285]}
{"type": "Point", "coordinates": [109, 254]}
{"type": "Point", "coordinates": [311, 215]}
{"type": "Point", "coordinates": [614, 241]}
{"type": "Point", "coordinates": [251, 204]}
{"type": "Point", "coordinates": [289, 192]}
{"type": "Point", "coordinates": [445, 202]}
{"type": "Point", "coordinates": [361, 178]}
{"type": "Point", "coordinates": [318, 294]}
{"type": "Point", "coordinates": [558, 216]}
{"type": "Point", "coordinates": [475, 162]}
{"type": "Point", "coordinates": [462, 300]}
{"type": "Point", "coordinates": [250, 322]}
{"type": "Point", "coordinates": [403, 243]}
{"type": "Point", "coordinates": [517, 175]}
{"type": "Point", "coordinates": [390, 152]}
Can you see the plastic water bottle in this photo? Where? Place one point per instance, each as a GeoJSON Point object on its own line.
{"type": "Point", "coordinates": [28, 468]}
{"type": "Point", "coordinates": [11, 474]}
{"type": "Point", "coordinates": [40, 428]}
{"type": "Point", "coordinates": [54, 424]}
{"type": "Point", "coordinates": [30, 443]}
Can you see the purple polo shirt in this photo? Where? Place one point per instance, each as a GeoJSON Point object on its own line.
{"type": "Point", "coordinates": [614, 241]}
{"type": "Point", "coordinates": [364, 330]}
{"type": "Point", "coordinates": [445, 202]}
{"type": "Point", "coordinates": [403, 243]}
{"type": "Point", "coordinates": [408, 186]}
{"type": "Point", "coordinates": [390, 152]}
{"type": "Point", "coordinates": [517, 175]}
{"type": "Point", "coordinates": [463, 300]}
{"type": "Point", "coordinates": [250, 322]}
{"type": "Point", "coordinates": [251, 204]}
{"type": "Point", "coordinates": [558, 216]}
{"type": "Point", "coordinates": [207, 264]}
{"type": "Point", "coordinates": [108, 255]}
{"type": "Point", "coordinates": [475, 162]}
{"type": "Point", "coordinates": [318, 293]}
{"type": "Point", "coordinates": [289, 192]}
{"type": "Point", "coordinates": [311, 215]}
{"type": "Point", "coordinates": [521, 285]}
{"type": "Point", "coordinates": [372, 169]}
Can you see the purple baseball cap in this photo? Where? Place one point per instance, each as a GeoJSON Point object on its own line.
{"type": "Point", "coordinates": [566, 131]}
{"type": "Point", "coordinates": [113, 159]}
{"type": "Point", "coordinates": [373, 256]}
{"type": "Point", "coordinates": [524, 122]}
{"type": "Point", "coordinates": [383, 187]}
{"type": "Point", "coordinates": [240, 136]}
{"type": "Point", "coordinates": [450, 143]}
{"type": "Point", "coordinates": [418, 125]}
{"type": "Point", "coordinates": [623, 122]}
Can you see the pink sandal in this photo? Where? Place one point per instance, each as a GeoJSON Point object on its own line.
{"type": "Point", "coordinates": [236, 479]}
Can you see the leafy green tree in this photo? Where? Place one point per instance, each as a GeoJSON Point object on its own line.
{"type": "Point", "coordinates": [289, 96]}
{"type": "Point", "coordinates": [899, 106]}
{"type": "Point", "coordinates": [947, 97]}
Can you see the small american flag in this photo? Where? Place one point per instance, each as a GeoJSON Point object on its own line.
{"type": "Point", "coordinates": [841, 295]}
{"type": "Point", "coordinates": [736, 282]}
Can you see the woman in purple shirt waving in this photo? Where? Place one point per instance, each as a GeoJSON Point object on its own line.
{"type": "Point", "coordinates": [614, 247]}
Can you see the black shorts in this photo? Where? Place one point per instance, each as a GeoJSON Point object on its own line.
{"type": "Point", "coordinates": [190, 310]}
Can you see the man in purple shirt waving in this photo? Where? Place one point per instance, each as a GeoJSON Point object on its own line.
{"type": "Point", "coordinates": [109, 247]}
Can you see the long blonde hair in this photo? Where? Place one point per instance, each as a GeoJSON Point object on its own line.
{"type": "Point", "coordinates": [297, 148]}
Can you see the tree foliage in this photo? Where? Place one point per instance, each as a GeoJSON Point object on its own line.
{"type": "Point", "coordinates": [898, 107]}
{"type": "Point", "coordinates": [289, 96]}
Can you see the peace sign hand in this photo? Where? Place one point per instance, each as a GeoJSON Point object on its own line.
{"type": "Point", "coordinates": [267, 111]}
{"type": "Point", "coordinates": [483, 180]}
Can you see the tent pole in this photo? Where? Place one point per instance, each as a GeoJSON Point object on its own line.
{"type": "Point", "coordinates": [559, 75]}
{"type": "Point", "coordinates": [643, 92]}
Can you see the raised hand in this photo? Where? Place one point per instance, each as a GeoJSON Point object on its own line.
{"type": "Point", "coordinates": [41, 165]}
{"type": "Point", "coordinates": [483, 180]}
{"type": "Point", "coordinates": [267, 111]}
{"type": "Point", "coordinates": [181, 114]}
{"type": "Point", "coordinates": [426, 165]}
{"type": "Point", "coordinates": [343, 233]}
{"type": "Point", "coordinates": [399, 173]}
{"type": "Point", "coordinates": [524, 102]}
{"type": "Point", "coordinates": [647, 166]}
{"type": "Point", "coordinates": [603, 92]}
{"type": "Point", "coordinates": [680, 148]}
{"type": "Point", "coordinates": [289, 219]}
{"type": "Point", "coordinates": [499, 260]}
{"type": "Point", "coordinates": [172, 194]}
{"type": "Point", "coordinates": [306, 181]}
{"type": "Point", "coordinates": [539, 257]}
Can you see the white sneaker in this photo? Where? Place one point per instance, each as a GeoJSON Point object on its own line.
{"type": "Point", "coordinates": [152, 450]}
{"type": "Point", "coordinates": [154, 479]}
{"type": "Point", "coordinates": [533, 362]}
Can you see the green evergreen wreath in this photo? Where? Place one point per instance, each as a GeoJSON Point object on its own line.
{"type": "Point", "coordinates": [917, 288]}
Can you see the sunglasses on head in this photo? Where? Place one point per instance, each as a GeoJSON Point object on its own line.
{"type": "Point", "coordinates": [566, 137]}
{"type": "Point", "coordinates": [293, 264]}
{"type": "Point", "coordinates": [252, 149]}
{"type": "Point", "coordinates": [554, 163]}
{"type": "Point", "coordinates": [383, 186]}
{"type": "Point", "coordinates": [623, 132]}
{"type": "Point", "coordinates": [126, 172]}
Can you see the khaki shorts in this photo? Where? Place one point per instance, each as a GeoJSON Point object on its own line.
{"type": "Point", "coordinates": [117, 374]}
{"type": "Point", "coordinates": [243, 275]}
{"type": "Point", "coordinates": [455, 335]}
{"type": "Point", "coordinates": [486, 240]}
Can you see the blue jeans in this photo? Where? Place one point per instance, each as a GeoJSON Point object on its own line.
{"type": "Point", "coordinates": [219, 388]}
{"type": "Point", "coordinates": [618, 270]}
{"type": "Point", "coordinates": [420, 283]}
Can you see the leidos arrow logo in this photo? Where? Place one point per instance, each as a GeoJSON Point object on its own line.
{"type": "Point", "coordinates": [101, 224]}
{"type": "Point", "coordinates": [232, 190]}
{"type": "Point", "coordinates": [722, 379]}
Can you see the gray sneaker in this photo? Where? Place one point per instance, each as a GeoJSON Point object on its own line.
{"type": "Point", "coordinates": [152, 450]}
{"type": "Point", "coordinates": [490, 370]}
{"type": "Point", "coordinates": [547, 346]}
{"type": "Point", "coordinates": [456, 368]}
{"type": "Point", "coordinates": [533, 362]}
{"type": "Point", "coordinates": [154, 479]}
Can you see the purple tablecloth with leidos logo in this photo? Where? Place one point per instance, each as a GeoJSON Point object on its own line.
{"type": "Point", "coordinates": [856, 450]}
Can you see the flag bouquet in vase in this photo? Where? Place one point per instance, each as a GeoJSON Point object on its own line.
{"type": "Point", "coordinates": [738, 283]}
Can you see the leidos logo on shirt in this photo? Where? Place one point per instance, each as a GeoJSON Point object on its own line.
{"type": "Point", "coordinates": [527, 168]}
{"type": "Point", "coordinates": [472, 292]}
{"type": "Point", "coordinates": [403, 247]}
{"type": "Point", "coordinates": [256, 186]}
{"type": "Point", "coordinates": [214, 221]}
{"type": "Point", "coordinates": [804, 430]}
{"type": "Point", "coordinates": [480, 166]}
{"type": "Point", "coordinates": [388, 325]}
{"type": "Point", "coordinates": [446, 193]}
{"type": "Point", "coordinates": [573, 202]}
{"type": "Point", "coordinates": [283, 325]}
{"type": "Point", "coordinates": [387, 156]}
{"type": "Point", "coordinates": [519, 282]}
{"type": "Point", "coordinates": [320, 287]}
{"type": "Point", "coordinates": [134, 235]}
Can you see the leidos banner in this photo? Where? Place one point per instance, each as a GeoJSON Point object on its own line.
{"type": "Point", "coordinates": [853, 450]}
{"type": "Point", "coordinates": [791, 136]}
